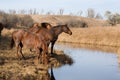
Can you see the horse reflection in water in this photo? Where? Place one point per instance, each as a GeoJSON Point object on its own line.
{"type": "Point", "coordinates": [56, 61]}
{"type": "Point", "coordinates": [44, 74]}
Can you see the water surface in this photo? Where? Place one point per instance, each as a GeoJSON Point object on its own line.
{"type": "Point", "coordinates": [88, 65]}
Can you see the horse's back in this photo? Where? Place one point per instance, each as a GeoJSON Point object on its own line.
{"type": "Point", "coordinates": [46, 33]}
{"type": "Point", "coordinates": [34, 29]}
{"type": "Point", "coordinates": [18, 33]}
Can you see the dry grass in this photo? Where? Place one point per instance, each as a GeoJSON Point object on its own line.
{"type": "Point", "coordinates": [109, 36]}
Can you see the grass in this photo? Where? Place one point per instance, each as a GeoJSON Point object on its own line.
{"type": "Point", "coordinates": [107, 36]}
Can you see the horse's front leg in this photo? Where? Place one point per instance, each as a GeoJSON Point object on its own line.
{"type": "Point", "coordinates": [52, 45]}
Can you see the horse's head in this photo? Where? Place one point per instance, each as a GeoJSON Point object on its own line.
{"type": "Point", "coordinates": [66, 29]}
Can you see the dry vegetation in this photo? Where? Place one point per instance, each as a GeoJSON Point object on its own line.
{"type": "Point", "coordinates": [106, 36]}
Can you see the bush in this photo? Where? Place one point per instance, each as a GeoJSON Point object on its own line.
{"type": "Point", "coordinates": [26, 20]}
{"type": "Point", "coordinates": [113, 19]}
{"type": "Point", "coordinates": [3, 17]}
{"type": "Point", "coordinates": [13, 20]}
{"type": "Point", "coordinates": [77, 23]}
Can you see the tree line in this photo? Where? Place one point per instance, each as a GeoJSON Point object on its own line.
{"type": "Point", "coordinates": [11, 18]}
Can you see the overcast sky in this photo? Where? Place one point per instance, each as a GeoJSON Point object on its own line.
{"type": "Point", "coordinates": [69, 6]}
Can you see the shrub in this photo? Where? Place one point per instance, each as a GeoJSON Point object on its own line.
{"type": "Point", "coordinates": [13, 20]}
{"type": "Point", "coordinates": [112, 19]}
{"type": "Point", "coordinates": [26, 20]}
{"type": "Point", "coordinates": [3, 17]}
{"type": "Point", "coordinates": [77, 23]}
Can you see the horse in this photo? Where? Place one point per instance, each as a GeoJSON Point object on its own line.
{"type": "Point", "coordinates": [18, 34]}
{"type": "Point", "coordinates": [50, 35]}
{"type": "Point", "coordinates": [34, 41]}
{"type": "Point", "coordinates": [1, 28]}
{"type": "Point", "coordinates": [54, 32]}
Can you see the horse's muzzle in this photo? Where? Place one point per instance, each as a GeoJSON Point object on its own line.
{"type": "Point", "coordinates": [70, 33]}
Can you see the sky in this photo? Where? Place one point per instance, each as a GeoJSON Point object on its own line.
{"type": "Point", "coordinates": [69, 6]}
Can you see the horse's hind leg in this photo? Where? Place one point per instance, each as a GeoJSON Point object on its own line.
{"type": "Point", "coordinates": [20, 48]}
{"type": "Point", "coordinates": [17, 48]}
{"type": "Point", "coordinates": [45, 58]}
{"type": "Point", "coordinates": [37, 50]}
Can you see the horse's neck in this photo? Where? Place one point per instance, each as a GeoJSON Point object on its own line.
{"type": "Point", "coordinates": [56, 30]}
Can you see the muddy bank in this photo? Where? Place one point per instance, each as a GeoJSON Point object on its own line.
{"type": "Point", "coordinates": [27, 70]}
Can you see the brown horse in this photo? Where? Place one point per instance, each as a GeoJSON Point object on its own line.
{"type": "Point", "coordinates": [50, 35]}
{"type": "Point", "coordinates": [32, 41]}
{"type": "Point", "coordinates": [56, 31]}
{"type": "Point", "coordinates": [18, 35]}
{"type": "Point", "coordinates": [53, 33]}
{"type": "Point", "coordinates": [16, 39]}
{"type": "Point", "coordinates": [1, 28]}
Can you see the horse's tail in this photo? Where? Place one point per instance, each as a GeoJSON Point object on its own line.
{"type": "Point", "coordinates": [12, 43]}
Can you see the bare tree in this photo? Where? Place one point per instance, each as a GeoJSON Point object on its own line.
{"type": "Point", "coordinates": [107, 14]}
{"type": "Point", "coordinates": [22, 11]}
{"type": "Point", "coordinates": [90, 13]}
{"type": "Point", "coordinates": [61, 11]}
{"type": "Point", "coordinates": [79, 13]}
{"type": "Point", "coordinates": [30, 11]}
{"type": "Point", "coordinates": [34, 11]}
{"type": "Point", "coordinates": [12, 11]}
{"type": "Point", "coordinates": [112, 19]}
{"type": "Point", "coordinates": [98, 16]}
{"type": "Point", "coordinates": [42, 11]}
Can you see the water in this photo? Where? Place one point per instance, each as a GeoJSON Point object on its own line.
{"type": "Point", "coordinates": [88, 65]}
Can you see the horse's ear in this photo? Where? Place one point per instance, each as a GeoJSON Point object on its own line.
{"type": "Point", "coordinates": [49, 26]}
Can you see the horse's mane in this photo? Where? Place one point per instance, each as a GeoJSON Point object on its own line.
{"type": "Point", "coordinates": [57, 26]}
{"type": "Point", "coordinates": [44, 24]}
